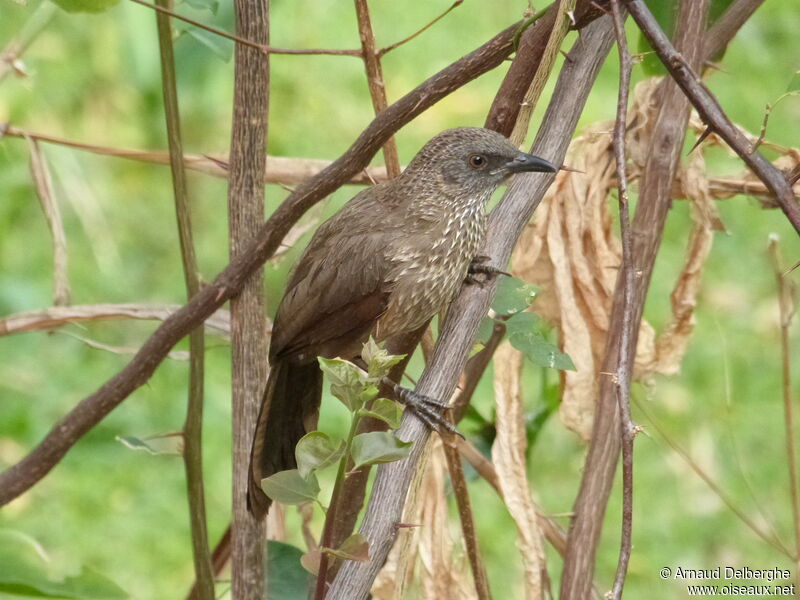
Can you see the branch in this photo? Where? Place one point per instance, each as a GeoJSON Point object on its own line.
{"type": "Point", "coordinates": [92, 409]}
{"type": "Point", "coordinates": [279, 169]}
{"type": "Point", "coordinates": [711, 112]}
{"type": "Point", "coordinates": [653, 206]}
{"type": "Point", "coordinates": [405, 40]}
{"type": "Point", "coordinates": [58, 316]}
{"type": "Point", "coordinates": [439, 379]}
{"type": "Point", "coordinates": [248, 343]}
{"type": "Point", "coordinates": [10, 55]}
{"type": "Point", "coordinates": [375, 80]}
{"type": "Point", "coordinates": [626, 349]}
{"type": "Point", "coordinates": [193, 426]}
{"type": "Point", "coordinates": [725, 28]}
{"type": "Point", "coordinates": [461, 493]}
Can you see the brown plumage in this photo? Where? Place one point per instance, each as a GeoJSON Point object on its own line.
{"type": "Point", "coordinates": [390, 259]}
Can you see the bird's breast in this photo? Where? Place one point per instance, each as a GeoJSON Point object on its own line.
{"type": "Point", "coordinates": [429, 270]}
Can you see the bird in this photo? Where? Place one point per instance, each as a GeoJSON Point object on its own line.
{"type": "Point", "coordinates": [389, 260]}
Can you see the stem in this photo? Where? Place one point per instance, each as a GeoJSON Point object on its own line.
{"type": "Point", "coordinates": [330, 517]}
{"type": "Point", "coordinates": [246, 188]}
{"type": "Point", "coordinates": [193, 426]}
{"type": "Point", "coordinates": [786, 313]}
{"type": "Point", "coordinates": [461, 492]}
{"type": "Point", "coordinates": [377, 84]}
{"type": "Point", "coordinates": [625, 351]}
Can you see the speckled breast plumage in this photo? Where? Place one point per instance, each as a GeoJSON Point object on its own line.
{"type": "Point", "coordinates": [426, 277]}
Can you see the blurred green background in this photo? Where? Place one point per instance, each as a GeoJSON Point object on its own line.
{"type": "Point", "coordinates": [96, 79]}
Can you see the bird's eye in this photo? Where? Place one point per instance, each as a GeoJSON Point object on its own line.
{"type": "Point", "coordinates": [477, 161]}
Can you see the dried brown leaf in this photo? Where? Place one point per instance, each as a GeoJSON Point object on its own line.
{"type": "Point", "coordinates": [508, 455]}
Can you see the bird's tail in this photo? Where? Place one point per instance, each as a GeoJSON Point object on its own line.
{"type": "Point", "coordinates": [289, 410]}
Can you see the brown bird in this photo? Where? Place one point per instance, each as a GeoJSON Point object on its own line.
{"type": "Point", "coordinates": [392, 257]}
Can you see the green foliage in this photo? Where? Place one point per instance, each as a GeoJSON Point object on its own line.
{"type": "Point", "coordinates": [290, 487]}
{"type": "Point", "coordinates": [512, 296]}
{"type": "Point", "coordinates": [316, 450]}
{"type": "Point", "coordinates": [24, 571]}
{"type": "Point", "coordinates": [355, 547]}
{"type": "Point", "coordinates": [388, 411]}
{"type": "Point", "coordinates": [525, 335]}
{"type": "Point", "coordinates": [378, 447]}
{"type": "Point", "coordinates": [286, 577]}
{"type": "Point", "coordinates": [349, 384]}
{"type": "Point", "coordinates": [85, 6]}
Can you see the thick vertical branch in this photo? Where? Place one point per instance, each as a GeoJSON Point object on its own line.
{"type": "Point", "coordinates": [248, 340]}
{"type": "Point", "coordinates": [626, 350]}
{"type": "Point", "coordinates": [193, 426]}
{"type": "Point", "coordinates": [377, 85]}
{"type": "Point", "coordinates": [439, 380]}
{"type": "Point", "coordinates": [648, 226]}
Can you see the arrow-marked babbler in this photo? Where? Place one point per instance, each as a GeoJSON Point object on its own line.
{"type": "Point", "coordinates": [392, 257]}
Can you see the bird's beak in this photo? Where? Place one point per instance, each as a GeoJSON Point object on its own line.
{"type": "Point", "coordinates": [529, 162]}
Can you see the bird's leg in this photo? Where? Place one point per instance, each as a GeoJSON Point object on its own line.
{"type": "Point", "coordinates": [429, 410]}
{"type": "Point", "coordinates": [479, 265]}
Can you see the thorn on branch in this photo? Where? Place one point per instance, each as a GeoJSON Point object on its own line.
{"type": "Point", "coordinates": [707, 132]}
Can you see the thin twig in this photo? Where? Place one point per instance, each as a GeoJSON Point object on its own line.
{"type": "Point", "coordinates": [711, 112]}
{"type": "Point", "coordinates": [461, 492]}
{"type": "Point", "coordinates": [279, 170]}
{"type": "Point", "coordinates": [193, 425]}
{"type": "Point", "coordinates": [561, 23]}
{"type": "Point", "coordinates": [787, 309]}
{"type": "Point", "coordinates": [391, 47]}
{"type": "Point", "coordinates": [266, 48]}
{"type": "Point", "coordinates": [91, 410]}
{"type": "Point", "coordinates": [44, 190]}
{"type": "Point", "coordinates": [624, 357]}
{"type": "Point", "coordinates": [58, 316]}
{"type": "Point", "coordinates": [375, 80]}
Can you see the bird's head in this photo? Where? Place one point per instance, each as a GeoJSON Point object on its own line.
{"type": "Point", "coordinates": [472, 160]}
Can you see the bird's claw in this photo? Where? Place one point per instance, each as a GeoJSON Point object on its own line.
{"type": "Point", "coordinates": [480, 266]}
{"type": "Point", "coordinates": [429, 410]}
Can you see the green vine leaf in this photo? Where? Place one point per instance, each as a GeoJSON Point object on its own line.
{"type": "Point", "coordinates": [388, 411]}
{"type": "Point", "coordinates": [316, 450]}
{"type": "Point", "coordinates": [289, 487]}
{"type": "Point", "coordinates": [85, 6]}
{"type": "Point", "coordinates": [524, 335]}
{"type": "Point", "coordinates": [378, 447]}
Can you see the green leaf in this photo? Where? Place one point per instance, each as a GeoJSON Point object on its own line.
{"type": "Point", "coordinates": [348, 383]}
{"type": "Point", "coordinates": [316, 450]}
{"type": "Point", "coordinates": [378, 447]}
{"type": "Point", "coordinates": [289, 487]}
{"type": "Point", "coordinates": [388, 411]}
{"type": "Point", "coordinates": [356, 547]}
{"type": "Point", "coordinates": [221, 47]}
{"type": "Point", "coordinates": [286, 577]}
{"type": "Point", "coordinates": [524, 335]}
{"type": "Point", "coordinates": [170, 443]}
{"type": "Point", "coordinates": [664, 11]}
{"type": "Point", "coordinates": [85, 6]}
{"type": "Point", "coordinates": [24, 571]}
{"type": "Point", "coordinates": [513, 295]}
{"type": "Point", "coordinates": [485, 330]}
{"type": "Point", "coordinates": [378, 360]}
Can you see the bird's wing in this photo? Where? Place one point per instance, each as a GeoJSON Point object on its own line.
{"type": "Point", "coordinates": [338, 289]}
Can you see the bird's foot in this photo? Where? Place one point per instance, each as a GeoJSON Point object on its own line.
{"type": "Point", "coordinates": [480, 267]}
{"type": "Point", "coordinates": [429, 410]}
